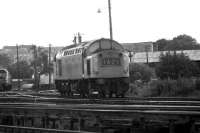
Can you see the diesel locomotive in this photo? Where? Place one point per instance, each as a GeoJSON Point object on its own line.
{"type": "Point", "coordinates": [98, 67]}
{"type": "Point", "coordinates": [5, 81]}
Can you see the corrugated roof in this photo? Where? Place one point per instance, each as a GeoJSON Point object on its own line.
{"type": "Point", "coordinates": [138, 47]}
{"type": "Point", "coordinates": [142, 57]}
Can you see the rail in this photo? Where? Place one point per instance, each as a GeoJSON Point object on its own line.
{"type": "Point", "coordinates": [75, 117]}
{"type": "Point", "coordinates": [13, 129]}
{"type": "Point", "coordinates": [120, 101]}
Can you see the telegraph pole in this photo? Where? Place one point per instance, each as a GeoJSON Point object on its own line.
{"type": "Point", "coordinates": [18, 73]}
{"type": "Point", "coordinates": [49, 66]}
{"type": "Point", "coordinates": [110, 19]}
{"type": "Point", "coordinates": [35, 66]}
{"type": "Point", "coordinates": [147, 54]}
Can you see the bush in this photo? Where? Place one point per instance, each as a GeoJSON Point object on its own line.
{"type": "Point", "coordinates": [185, 86]}
{"type": "Point", "coordinates": [132, 90]}
{"type": "Point", "coordinates": [140, 72]}
{"type": "Point", "coordinates": [162, 88]}
{"type": "Point", "coordinates": [176, 66]}
{"type": "Point", "coordinates": [182, 87]}
{"type": "Point", "coordinates": [138, 89]}
{"type": "Point", "coordinates": [171, 88]}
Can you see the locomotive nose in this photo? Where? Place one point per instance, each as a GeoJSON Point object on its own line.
{"type": "Point", "coordinates": [109, 64]}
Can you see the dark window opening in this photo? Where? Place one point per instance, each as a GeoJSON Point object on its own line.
{"type": "Point", "coordinates": [60, 67]}
{"type": "Point", "coordinates": [88, 67]}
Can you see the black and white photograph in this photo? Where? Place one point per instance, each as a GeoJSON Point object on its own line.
{"type": "Point", "coordinates": [99, 66]}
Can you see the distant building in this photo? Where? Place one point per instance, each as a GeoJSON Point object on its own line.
{"type": "Point", "coordinates": [19, 46]}
{"type": "Point", "coordinates": [9, 47]}
{"type": "Point", "coordinates": [25, 52]}
{"type": "Point", "coordinates": [153, 57]}
{"type": "Point", "coordinates": [138, 47]}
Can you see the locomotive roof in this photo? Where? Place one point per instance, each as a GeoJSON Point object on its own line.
{"type": "Point", "coordinates": [83, 44]}
{"type": "Point", "coordinates": [87, 43]}
{"type": "Point", "coordinates": [80, 45]}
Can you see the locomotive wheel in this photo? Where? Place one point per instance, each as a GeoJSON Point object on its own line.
{"type": "Point", "coordinates": [4, 87]}
{"type": "Point", "coordinates": [68, 89]}
{"type": "Point", "coordinates": [1, 87]}
{"type": "Point", "coordinates": [82, 88]}
{"type": "Point", "coordinates": [60, 88]}
{"type": "Point", "coordinates": [9, 87]}
{"type": "Point", "coordinates": [118, 89]}
{"type": "Point", "coordinates": [110, 94]}
{"type": "Point", "coordinates": [111, 90]}
{"type": "Point", "coordinates": [102, 91]}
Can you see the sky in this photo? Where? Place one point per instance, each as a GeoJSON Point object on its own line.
{"type": "Point", "coordinates": [55, 22]}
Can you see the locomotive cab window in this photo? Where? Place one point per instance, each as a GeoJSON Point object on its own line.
{"type": "Point", "coordinates": [116, 46]}
{"type": "Point", "coordinates": [106, 44]}
{"type": "Point", "coordinates": [94, 48]}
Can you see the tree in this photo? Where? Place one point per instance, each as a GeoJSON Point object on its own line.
{"type": "Point", "coordinates": [25, 70]}
{"type": "Point", "coordinates": [4, 60]}
{"type": "Point", "coordinates": [182, 42]}
{"type": "Point", "coordinates": [174, 66]}
{"type": "Point", "coordinates": [140, 72]}
{"type": "Point", "coordinates": [161, 44]}
{"type": "Point", "coordinates": [42, 61]}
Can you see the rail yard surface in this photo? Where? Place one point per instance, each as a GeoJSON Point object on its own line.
{"type": "Point", "coordinates": [30, 113]}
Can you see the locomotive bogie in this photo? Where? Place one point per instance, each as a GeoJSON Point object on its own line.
{"type": "Point", "coordinates": [87, 87]}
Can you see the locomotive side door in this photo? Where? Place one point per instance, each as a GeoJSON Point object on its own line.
{"type": "Point", "coordinates": [83, 56]}
{"type": "Point", "coordinates": [88, 67]}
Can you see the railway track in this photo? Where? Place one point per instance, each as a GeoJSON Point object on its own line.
{"type": "Point", "coordinates": [40, 113]}
{"type": "Point", "coordinates": [112, 101]}
{"type": "Point", "coordinates": [139, 107]}
{"type": "Point", "coordinates": [104, 114]}
{"type": "Point", "coordinates": [125, 104]}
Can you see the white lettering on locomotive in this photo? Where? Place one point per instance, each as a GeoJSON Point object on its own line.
{"type": "Point", "coordinates": [73, 51]}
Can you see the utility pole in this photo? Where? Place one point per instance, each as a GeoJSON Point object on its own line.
{"type": "Point", "coordinates": [130, 54]}
{"type": "Point", "coordinates": [35, 66]}
{"type": "Point", "coordinates": [110, 19]}
{"type": "Point", "coordinates": [18, 73]}
{"type": "Point", "coordinates": [49, 66]}
{"type": "Point", "coordinates": [147, 54]}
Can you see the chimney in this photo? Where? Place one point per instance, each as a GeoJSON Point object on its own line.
{"type": "Point", "coordinates": [74, 40]}
{"type": "Point", "coordinates": [79, 38]}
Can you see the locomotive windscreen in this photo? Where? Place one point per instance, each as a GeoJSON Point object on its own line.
{"type": "Point", "coordinates": [107, 44]}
